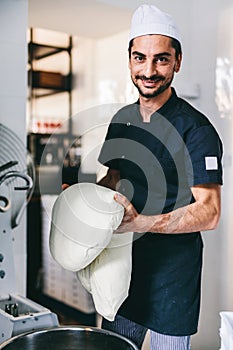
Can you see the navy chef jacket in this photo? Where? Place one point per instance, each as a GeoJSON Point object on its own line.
{"type": "Point", "coordinates": [158, 162]}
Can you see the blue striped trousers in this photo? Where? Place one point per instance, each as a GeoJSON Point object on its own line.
{"type": "Point", "coordinates": [137, 333]}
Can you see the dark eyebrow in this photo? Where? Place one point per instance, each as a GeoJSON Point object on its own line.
{"type": "Point", "coordinates": [138, 53]}
{"type": "Point", "coordinates": [156, 56]}
{"type": "Point", "coordinates": [162, 54]}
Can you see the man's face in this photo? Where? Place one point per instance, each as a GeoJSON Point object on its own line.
{"type": "Point", "coordinates": [152, 64]}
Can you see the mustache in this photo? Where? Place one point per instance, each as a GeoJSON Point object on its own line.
{"type": "Point", "coordinates": [151, 78]}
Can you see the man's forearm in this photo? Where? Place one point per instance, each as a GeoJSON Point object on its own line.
{"type": "Point", "coordinates": [191, 218]}
{"type": "Point", "coordinates": [201, 215]}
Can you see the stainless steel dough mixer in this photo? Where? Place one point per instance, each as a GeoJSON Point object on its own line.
{"type": "Point", "coordinates": [17, 313]}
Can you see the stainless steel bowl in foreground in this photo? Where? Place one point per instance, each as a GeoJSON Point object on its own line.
{"type": "Point", "coordinates": [69, 338]}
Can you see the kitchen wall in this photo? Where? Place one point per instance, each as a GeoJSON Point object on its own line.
{"type": "Point", "coordinates": [224, 79]}
{"type": "Point", "coordinates": [102, 85]}
{"type": "Point", "coordinates": [13, 82]}
{"type": "Point", "coordinates": [210, 40]}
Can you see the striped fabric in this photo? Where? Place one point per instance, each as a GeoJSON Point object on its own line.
{"type": "Point", "coordinates": [168, 342]}
{"type": "Point", "coordinates": [137, 333]}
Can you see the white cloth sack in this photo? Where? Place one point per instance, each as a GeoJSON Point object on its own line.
{"type": "Point", "coordinates": [84, 217]}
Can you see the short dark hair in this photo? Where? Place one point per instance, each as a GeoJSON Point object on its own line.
{"type": "Point", "coordinates": [175, 44]}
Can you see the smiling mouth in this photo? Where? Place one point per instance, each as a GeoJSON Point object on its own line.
{"type": "Point", "coordinates": [150, 83]}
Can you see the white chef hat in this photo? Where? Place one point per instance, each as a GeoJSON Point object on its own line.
{"type": "Point", "coordinates": [148, 19]}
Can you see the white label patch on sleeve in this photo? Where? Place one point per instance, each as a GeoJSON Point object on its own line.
{"type": "Point", "coordinates": [211, 163]}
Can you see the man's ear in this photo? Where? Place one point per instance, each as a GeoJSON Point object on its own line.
{"type": "Point", "coordinates": [129, 64]}
{"type": "Point", "coordinates": [178, 63]}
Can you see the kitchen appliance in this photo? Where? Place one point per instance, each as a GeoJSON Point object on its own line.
{"type": "Point", "coordinates": [17, 313]}
{"type": "Point", "coordinates": [66, 338]}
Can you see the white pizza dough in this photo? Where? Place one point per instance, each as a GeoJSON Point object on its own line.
{"type": "Point", "coordinates": [84, 217]}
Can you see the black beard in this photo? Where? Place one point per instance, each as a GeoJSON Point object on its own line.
{"type": "Point", "coordinates": [155, 93]}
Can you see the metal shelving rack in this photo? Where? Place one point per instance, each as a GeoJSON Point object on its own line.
{"type": "Point", "coordinates": [47, 83]}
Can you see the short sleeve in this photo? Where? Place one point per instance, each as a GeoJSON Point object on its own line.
{"type": "Point", "coordinates": [205, 155]}
{"type": "Point", "coordinates": [108, 155]}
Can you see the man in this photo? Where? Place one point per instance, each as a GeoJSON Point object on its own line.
{"type": "Point", "coordinates": [164, 158]}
